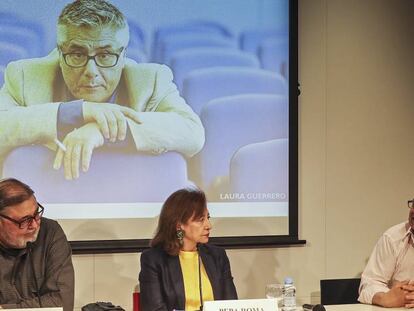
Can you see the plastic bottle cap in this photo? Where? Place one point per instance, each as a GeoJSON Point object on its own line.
{"type": "Point", "coordinates": [288, 280]}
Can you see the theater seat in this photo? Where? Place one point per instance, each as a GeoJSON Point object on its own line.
{"type": "Point", "coordinates": [185, 61]}
{"type": "Point", "coordinates": [114, 176]}
{"type": "Point", "coordinates": [10, 52]}
{"type": "Point", "coordinates": [251, 39]}
{"type": "Point", "coordinates": [274, 55]}
{"type": "Point", "coordinates": [137, 36]}
{"type": "Point", "coordinates": [24, 32]}
{"type": "Point", "coordinates": [230, 123]}
{"type": "Point", "coordinates": [173, 44]}
{"type": "Point", "coordinates": [261, 169]}
{"type": "Point", "coordinates": [195, 27]}
{"type": "Point", "coordinates": [202, 85]}
{"type": "Point", "coordinates": [24, 38]}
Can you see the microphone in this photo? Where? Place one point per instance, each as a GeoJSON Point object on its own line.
{"type": "Point", "coordinates": [29, 247]}
{"type": "Point", "coordinates": [308, 307]}
{"type": "Point", "coordinates": [199, 278]}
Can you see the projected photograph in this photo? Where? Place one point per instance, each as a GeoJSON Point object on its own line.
{"type": "Point", "coordinates": [106, 114]}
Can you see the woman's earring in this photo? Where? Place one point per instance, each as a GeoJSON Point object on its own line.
{"type": "Point", "coordinates": [180, 236]}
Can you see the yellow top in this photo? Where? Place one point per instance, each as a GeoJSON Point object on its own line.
{"type": "Point", "coordinates": [189, 267]}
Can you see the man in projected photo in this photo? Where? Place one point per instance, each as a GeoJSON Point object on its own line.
{"type": "Point", "coordinates": [35, 258]}
{"type": "Point", "coordinates": [87, 92]}
{"type": "Point", "coordinates": [388, 278]}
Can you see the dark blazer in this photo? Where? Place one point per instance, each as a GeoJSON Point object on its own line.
{"type": "Point", "coordinates": [161, 279]}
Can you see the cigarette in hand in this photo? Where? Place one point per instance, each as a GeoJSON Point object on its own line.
{"type": "Point", "coordinates": [60, 145]}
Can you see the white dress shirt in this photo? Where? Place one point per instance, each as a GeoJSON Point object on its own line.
{"type": "Point", "coordinates": [392, 260]}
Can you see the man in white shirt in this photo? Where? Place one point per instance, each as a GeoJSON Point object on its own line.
{"type": "Point", "coordinates": [388, 278]}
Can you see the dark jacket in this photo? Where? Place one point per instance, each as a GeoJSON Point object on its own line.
{"type": "Point", "coordinates": [161, 279]}
{"type": "Point", "coordinates": [53, 270]}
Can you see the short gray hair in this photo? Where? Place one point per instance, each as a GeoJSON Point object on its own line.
{"type": "Point", "coordinates": [13, 191]}
{"type": "Point", "coordinates": [92, 13]}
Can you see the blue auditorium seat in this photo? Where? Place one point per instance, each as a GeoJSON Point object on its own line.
{"type": "Point", "coordinates": [251, 39]}
{"type": "Point", "coordinates": [230, 123]}
{"type": "Point", "coordinates": [176, 43]}
{"type": "Point", "coordinates": [188, 60]}
{"type": "Point", "coordinates": [198, 27]}
{"type": "Point", "coordinates": [203, 85]}
{"type": "Point", "coordinates": [10, 52]}
{"type": "Point", "coordinates": [274, 55]}
{"type": "Point", "coordinates": [261, 168]}
{"type": "Point", "coordinates": [114, 176]}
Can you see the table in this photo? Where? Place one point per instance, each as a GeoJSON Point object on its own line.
{"type": "Point", "coordinates": [359, 307]}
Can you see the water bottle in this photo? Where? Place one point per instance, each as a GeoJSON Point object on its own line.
{"type": "Point", "coordinates": [289, 295]}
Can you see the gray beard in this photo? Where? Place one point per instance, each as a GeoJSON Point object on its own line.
{"type": "Point", "coordinates": [20, 243]}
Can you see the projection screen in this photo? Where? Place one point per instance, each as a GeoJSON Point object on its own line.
{"type": "Point", "coordinates": [207, 93]}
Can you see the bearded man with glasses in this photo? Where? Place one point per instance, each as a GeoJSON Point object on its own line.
{"type": "Point", "coordinates": [87, 93]}
{"type": "Point", "coordinates": [35, 257]}
{"type": "Point", "coordinates": [388, 278]}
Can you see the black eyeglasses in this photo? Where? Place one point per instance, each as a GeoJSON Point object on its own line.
{"type": "Point", "coordinates": [104, 60]}
{"type": "Point", "coordinates": [410, 203]}
{"type": "Point", "coordinates": [26, 221]}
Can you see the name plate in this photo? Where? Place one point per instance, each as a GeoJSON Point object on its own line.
{"type": "Point", "coordinates": [268, 304]}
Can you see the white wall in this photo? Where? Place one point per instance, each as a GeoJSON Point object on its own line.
{"type": "Point", "coordinates": [355, 154]}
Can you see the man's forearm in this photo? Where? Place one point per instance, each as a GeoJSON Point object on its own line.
{"type": "Point", "coordinates": [394, 298]}
{"type": "Point", "coordinates": [379, 299]}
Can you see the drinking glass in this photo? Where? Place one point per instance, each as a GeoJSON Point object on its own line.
{"type": "Point", "coordinates": [275, 291]}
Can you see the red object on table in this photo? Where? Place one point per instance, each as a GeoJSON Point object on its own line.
{"type": "Point", "coordinates": [135, 301]}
